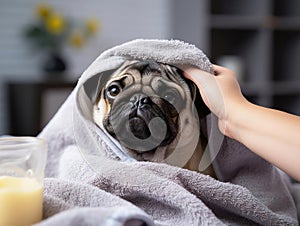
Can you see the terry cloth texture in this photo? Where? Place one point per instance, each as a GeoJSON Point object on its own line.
{"type": "Point", "coordinates": [94, 182]}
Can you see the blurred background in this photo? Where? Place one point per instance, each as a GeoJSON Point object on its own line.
{"type": "Point", "coordinates": [46, 45]}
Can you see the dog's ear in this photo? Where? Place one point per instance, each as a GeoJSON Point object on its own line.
{"type": "Point", "coordinates": [94, 85]}
{"type": "Point", "coordinates": [201, 107]}
{"type": "Point", "coordinates": [192, 87]}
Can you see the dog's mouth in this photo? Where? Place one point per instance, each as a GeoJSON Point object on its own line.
{"type": "Point", "coordinates": [145, 155]}
{"type": "Point", "coordinates": [151, 126]}
{"type": "Point", "coordinates": [142, 128]}
{"type": "Point", "coordinates": [138, 123]}
{"type": "Point", "coordinates": [152, 137]}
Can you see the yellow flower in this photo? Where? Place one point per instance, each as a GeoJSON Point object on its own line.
{"type": "Point", "coordinates": [77, 39]}
{"type": "Point", "coordinates": [92, 26]}
{"type": "Point", "coordinates": [55, 24]}
{"type": "Point", "coordinates": [43, 11]}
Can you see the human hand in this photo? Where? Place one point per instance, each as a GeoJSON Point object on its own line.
{"type": "Point", "coordinates": [221, 93]}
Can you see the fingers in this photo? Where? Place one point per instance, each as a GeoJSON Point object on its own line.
{"type": "Point", "coordinates": [203, 78]}
{"type": "Point", "coordinates": [219, 70]}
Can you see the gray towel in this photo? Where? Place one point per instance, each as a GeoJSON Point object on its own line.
{"type": "Point", "coordinates": [121, 191]}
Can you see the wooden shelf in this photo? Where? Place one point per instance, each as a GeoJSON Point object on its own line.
{"type": "Point", "coordinates": [37, 101]}
{"type": "Point", "coordinates": [289, 8]}
{"type": "Point", "coordinates": [287, 23]}
{"type": "Point", "coordinates": [255, 88]}
{"type": "Point", "coordinates": [239, 7]}
{"type": "Point", "coordinates": [265, 36]}
{"type": "Point", "coordinates": [235, 22]}
{"type": "Point", "coordinates": [289, 103]}
{"type": "Point", "coordinates": [286, 88]}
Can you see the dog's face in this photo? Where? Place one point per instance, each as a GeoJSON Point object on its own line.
{"type": "Point", "coordinates": [148, 108]}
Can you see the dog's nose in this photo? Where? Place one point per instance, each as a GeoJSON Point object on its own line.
{"type": "Point", "coordinates": [140, 99]}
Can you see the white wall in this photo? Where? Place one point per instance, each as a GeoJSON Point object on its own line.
{"type": "Point", "coordinates": [121, 20]}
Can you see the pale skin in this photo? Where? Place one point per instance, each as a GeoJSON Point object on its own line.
{"type": "Point", "coordinates": [274, 135]}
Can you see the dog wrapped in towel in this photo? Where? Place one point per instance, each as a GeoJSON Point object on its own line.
{"type": "Point", "coordinates": [134, 145]}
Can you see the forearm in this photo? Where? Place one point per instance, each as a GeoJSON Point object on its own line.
{"type": "Point", "coordinates": [272, 134]}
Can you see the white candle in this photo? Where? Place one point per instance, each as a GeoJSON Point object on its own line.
{"type": "Point", "coordinates": [22, 165]}
{"type": "Point", "coordinates": [21, 201]}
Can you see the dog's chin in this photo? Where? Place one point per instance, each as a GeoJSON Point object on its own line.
{"type": "Point", "coordinates": [138, 127]}
{"type": "Point", "coordinates": [141, 142]}
{"type": "Point", "coordinates": [157, 154]}
{"type": "Point", "coordinates": [150, 147]}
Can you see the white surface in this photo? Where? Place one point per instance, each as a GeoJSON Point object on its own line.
{"type": "Point", "coordinates": [52, 99]}
{"type": "Point", "coordinates": [121, 20]}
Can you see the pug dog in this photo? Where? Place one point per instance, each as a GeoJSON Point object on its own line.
{"type": "Point", "coordinates": [154, 113]}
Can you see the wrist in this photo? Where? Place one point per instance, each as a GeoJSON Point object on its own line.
{"type": "Point", "coordinates": [237, 118]}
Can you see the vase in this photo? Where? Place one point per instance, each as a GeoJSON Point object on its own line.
{"type": "Point", "coordinates": [54, 64]}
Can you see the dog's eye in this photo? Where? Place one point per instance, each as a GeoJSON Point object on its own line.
{"type": "Point", "coordinates": [113, 90]}
{"type": "Point", "coordinates": [170, 96]}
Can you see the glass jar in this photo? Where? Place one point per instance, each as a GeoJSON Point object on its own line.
{"type": "Point", "coordinates": [22, 166]}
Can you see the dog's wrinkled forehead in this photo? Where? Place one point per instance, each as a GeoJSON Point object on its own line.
{"type": "Point", "coordinates": [144, 67]}
{"type": "Point", "coordinates": [140, 69]}
{"type": "Point", "coordinates": [148, 67]}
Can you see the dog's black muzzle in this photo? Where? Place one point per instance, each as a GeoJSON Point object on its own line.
{"type": "Point", "coordinates": [142, 111]}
